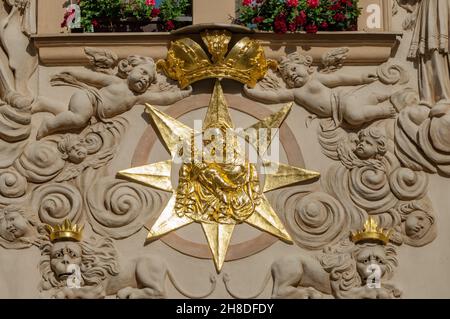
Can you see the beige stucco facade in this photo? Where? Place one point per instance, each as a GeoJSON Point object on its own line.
{"type": "Point", "coordinates": [360, 87]}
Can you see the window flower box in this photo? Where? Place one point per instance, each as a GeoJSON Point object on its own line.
{"type": "Point", "coordinates": [130, 15]}
{"type": "Point", "coordinates": [311, 16]}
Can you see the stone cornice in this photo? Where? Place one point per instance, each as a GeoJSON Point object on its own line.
{"type": "Point", "coordinates": [365, 48]}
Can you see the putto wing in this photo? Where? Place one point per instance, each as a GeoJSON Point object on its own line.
{"type": "Point", "coordinates": [101, 60]}
{"type": "Point", "coordinates": [333, 60]}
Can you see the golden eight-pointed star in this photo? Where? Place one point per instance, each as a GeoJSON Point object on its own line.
{"type": "Point", "coordinates": [217, 194]}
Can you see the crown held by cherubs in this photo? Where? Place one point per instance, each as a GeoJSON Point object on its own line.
{"type": "Point", "coordinates": [65, 232]}
{"type": "Point", "coordinates": [187, 62]}
{"type": "Point", "coordinates": [371, 233]}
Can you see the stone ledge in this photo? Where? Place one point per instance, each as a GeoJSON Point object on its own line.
{"type": "Point", "coordinates": [365, 48]}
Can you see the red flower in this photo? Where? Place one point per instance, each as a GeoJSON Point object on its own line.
{"type": "Point", "coordinates": [281, 17]}
{"type": "Point", "coordinates": [150, 2]}
{"type": "Point", "coordinates": [280, 24]}
{"type": "Point", "coordinates": [258, 19]}
{"type": "Point", "coordinates": [311, 28]}
{"type": "Point", "coordinates": [246, 3]}
{"type": "Point", "coordinates": [324, 25]}
{"type": "Point", "coordinates": [339, 17]}
{"type": "Point", "coordinates": [347, 3]}
{"type": "Point", "coordinates": [301, 18]}
{"type": "Point", "coordinates": [95, 23]}
{"type": "Point", "coordinates": [313, 3]}
{"type": "Point", "coordinates": [280, 27]}
{"type": "Point", "coordinates": [155, 12]}
{"type": "Point", "coordinates": [336, 7]}
{"type": "Point", "coordinates": [292, 3]}
{"type": "Point", "coordinates": [292, 26]}
{"type": "Point", "coordinates": [170, 25]}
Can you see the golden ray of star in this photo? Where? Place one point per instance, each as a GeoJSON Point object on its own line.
{"type": "Point", "coordinates": [158, 175]}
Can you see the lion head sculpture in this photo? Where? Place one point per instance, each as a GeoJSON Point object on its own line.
{"type": "Point", "coordinates": [347, 263]}
{"type": "Point", "coordinates": [96, 259]}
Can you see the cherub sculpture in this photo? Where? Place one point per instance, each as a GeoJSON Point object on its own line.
{"type": "Point", "coordinates": [80, 155]}
{"type": "Point", "coordinates": [103, 95]}
{"type": "Point", "coordinates": [72, 148]}
{"type": "Point", "coordinates": [19, 228]}
{"type": "Point", "coordinates": [419, 225]}
{"type": "Point", "coordinates": [367, 148]}
{"type": "Point", "coordinates": [315, 92]}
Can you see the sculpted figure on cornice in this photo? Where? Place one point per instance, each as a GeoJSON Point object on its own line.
{"type": "Point", "coordinates": [430, 49]}
{"type": "Point", "coordinates": [18, 62]}
{"type": "Point", "coordinates": [423, 125]}
{"type": "Point", "coordinates": [18, 59]}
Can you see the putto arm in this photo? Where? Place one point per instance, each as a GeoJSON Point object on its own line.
{"type": "Point", "coordinates": [342, 79]}
{"type": "Point", "coordinates": [164, 98]}
{"type": "Point", "coordinates": [92, 78]}
{"type": "Point", "coordinates": [279, 96]}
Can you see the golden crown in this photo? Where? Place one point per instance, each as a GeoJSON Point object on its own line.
{"type": "Point", "coordinates": [65, 232]}
{"type": "Point", "coordinates": [371, 233]}
{"type": "Point", "coordinates": [187, 62]}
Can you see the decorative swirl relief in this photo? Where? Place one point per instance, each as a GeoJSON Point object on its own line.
{"type": "Point", "coordinates": [13, 187]}
{"type": "Point", "coordinates": [407, 184]}
{"type": "Point", "coordinates": [369, 189]}
{"type": "Point", "coordinates": [56, 202]}
{"type": "Point", "coordinates": [421, 134]}
{"type": "Point", "coordinates": [40, 162]}
{"type": "Point", "coordinates": [314, 220]}
{"type": "Point", "coordinates": [119, 209]}
{"type": "Point", "coordinates": [392, 74]}
{"type": "Point", "coordinates": [370, 181]}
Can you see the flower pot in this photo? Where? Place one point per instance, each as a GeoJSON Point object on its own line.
{"type": "Point", "coordinates": [76, 30]}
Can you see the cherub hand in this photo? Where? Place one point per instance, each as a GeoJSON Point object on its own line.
{"type": "Point", "coordinates": [248, 90]}
{"type": "Point", "coordinates": [369, 78]}
{"type": "Point", "coordinates": [187, 91]}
